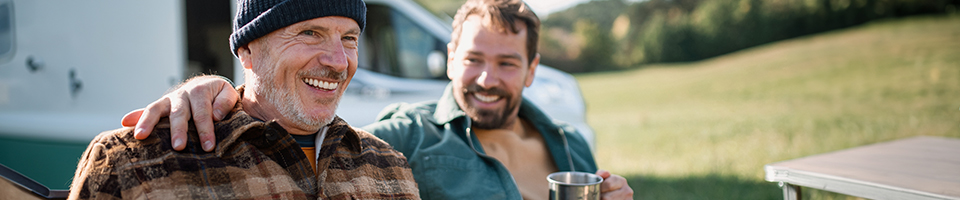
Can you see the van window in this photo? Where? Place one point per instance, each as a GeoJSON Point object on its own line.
{"type": "Point", "coordinates": [6, 31]}
{"type": "Point", "coordinates": [208, 27]}
{"type": "Point", "coordinates": [398, 46]}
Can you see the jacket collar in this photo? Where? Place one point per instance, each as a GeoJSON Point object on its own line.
{"type": "Point", "coordinates": [350, 138]}
{"type": "Point", "coordinates": [447, 108]}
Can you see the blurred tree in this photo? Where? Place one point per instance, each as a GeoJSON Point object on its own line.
{"type": "Point", "coordinates": [597, 47]}
{"type": "Point", "coordinates": [581, 38]}
{"type": "Point", "coordinates": [600, 12]}
{"type": "Point", "coordinates": [580, 35]}
{"type": "Point", "coordinates": [654, 31]}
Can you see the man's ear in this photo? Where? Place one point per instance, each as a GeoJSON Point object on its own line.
{"type": "Point", "coordinates": [244, 54]}
{"type": "Point", "coordinates": [451, 48]}
{"type": "Point", "coordinates": [533, 69]}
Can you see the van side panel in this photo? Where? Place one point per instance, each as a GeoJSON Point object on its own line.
{"type": "Point", "coordinates": [77, 66]}
{"type": "Point", "coordinates": [91, 62]}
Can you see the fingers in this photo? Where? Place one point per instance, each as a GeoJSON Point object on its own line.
{"type": "Point", "coordinates": [202, 117]}
{"type": "Point", "coordinates": [179, 119]}
{"type": "Point", "coordinates": [224, 101]}
{"type": "Point", "coordinates": [150, 116]}
{"type": "Point", "coordinates": [131, 118]}
{"type": "Point", "coordinates": [210, 99]}
{"type": "Point", "coordinates": [204, 99]}
{"type": "Point", "coordinates": [609, 183]}
{"type": "Point", "coordinates": [613, 183]}
{"type": "Point", "coordinates": [614, 186]}
{"type": "Point", "coordinates": [603, 173]}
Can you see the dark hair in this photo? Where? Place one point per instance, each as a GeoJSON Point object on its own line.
{"type": "Point", "coordinates": [502, 15]}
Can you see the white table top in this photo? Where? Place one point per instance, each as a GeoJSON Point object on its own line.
{"type": "Point", "coordinates": [913, 168]}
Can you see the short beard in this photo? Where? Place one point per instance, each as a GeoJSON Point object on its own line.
{"type": "Point", "coordinates": [489, 119]}
{"type": "Point", "coordinates": [485, 119]}
{"type": "Point", "coordinates": [288, 102]}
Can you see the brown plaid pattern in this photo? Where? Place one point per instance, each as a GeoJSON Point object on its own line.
{"type": "Point", "coordinates": [253, 160]}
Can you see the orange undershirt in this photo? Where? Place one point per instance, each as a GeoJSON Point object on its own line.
{"type": "Point", "coordinates": [310, 153]}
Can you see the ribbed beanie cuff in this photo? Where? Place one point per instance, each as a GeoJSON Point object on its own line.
{"type": "Point", "coordinates": [256, 18]}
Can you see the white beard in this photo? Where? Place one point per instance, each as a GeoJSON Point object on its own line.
{"type": "Point", "coordinates": [288, 102]}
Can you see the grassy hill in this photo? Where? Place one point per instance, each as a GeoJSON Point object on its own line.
{"type": "Point", "coordinates": [704, 130]}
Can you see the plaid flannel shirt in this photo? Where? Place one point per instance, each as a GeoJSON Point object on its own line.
{"type": "Point", "coordinates": [253, 160]}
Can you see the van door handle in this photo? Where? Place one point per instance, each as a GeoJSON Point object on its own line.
{"type": "Point", "coordinates": [34, 64]}
{"type": "Point", "coordinates": [75, 84]}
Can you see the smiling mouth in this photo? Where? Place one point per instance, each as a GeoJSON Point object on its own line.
{"type": "Point", "coordinates": [486, 98]}
{"type": "Point", "coordinates": [323, 85]}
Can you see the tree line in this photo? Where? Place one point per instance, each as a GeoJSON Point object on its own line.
{"type": "Point", "coordinates": [605, 35]}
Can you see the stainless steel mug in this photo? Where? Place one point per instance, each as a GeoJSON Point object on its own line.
{"type": "Point", "coordinates": [574, 185]}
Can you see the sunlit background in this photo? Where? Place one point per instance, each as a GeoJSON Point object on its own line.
{"type": "Point", "coordinates": [689, 99]}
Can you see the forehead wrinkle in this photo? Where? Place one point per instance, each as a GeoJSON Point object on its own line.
{"type": "Point", "coordinates": [313, 24]}
{"type": "Point", "coordinates": [315, 27]}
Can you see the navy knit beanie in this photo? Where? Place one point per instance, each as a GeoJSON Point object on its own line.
{"type": "Point", "coordinates": [257, 18]}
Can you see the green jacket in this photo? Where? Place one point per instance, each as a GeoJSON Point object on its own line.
{"type": "Point", "coordinates": [447, 165]}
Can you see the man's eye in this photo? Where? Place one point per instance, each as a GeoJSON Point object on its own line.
{"type": "Point", "coordinates": [308, 32]}
{"type": "Point", "coordinates": [351, 40]}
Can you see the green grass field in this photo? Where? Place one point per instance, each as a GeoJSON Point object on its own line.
{"type": "Point", "coordinates": [705, 130]}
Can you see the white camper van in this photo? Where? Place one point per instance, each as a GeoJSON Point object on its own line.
{"type": "Point", "coordinates": [70, 69]}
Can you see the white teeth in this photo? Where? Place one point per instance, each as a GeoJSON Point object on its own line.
{"type": "Point", "coordinates": [321, 84]}
{"type": "Point", "coordinates": [485, 98]}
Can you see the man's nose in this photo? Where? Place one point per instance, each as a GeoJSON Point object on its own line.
{"type": "Point", "coordinates": [488, 77]}
{"type": "Point", "coordinates": [334, 56]}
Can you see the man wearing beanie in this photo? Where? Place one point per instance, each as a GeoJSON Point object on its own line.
{"type": "Point", "coordinates": [282, 138]}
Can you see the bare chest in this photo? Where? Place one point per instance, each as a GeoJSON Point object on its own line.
{"type": "Point", "coordinates": [528, 160]}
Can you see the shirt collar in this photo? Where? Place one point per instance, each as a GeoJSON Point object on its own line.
{"type": "Point", "coordinates": [447, 108]}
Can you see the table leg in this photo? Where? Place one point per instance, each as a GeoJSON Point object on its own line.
{"type": "Point", "coordinates": [790, 192]}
